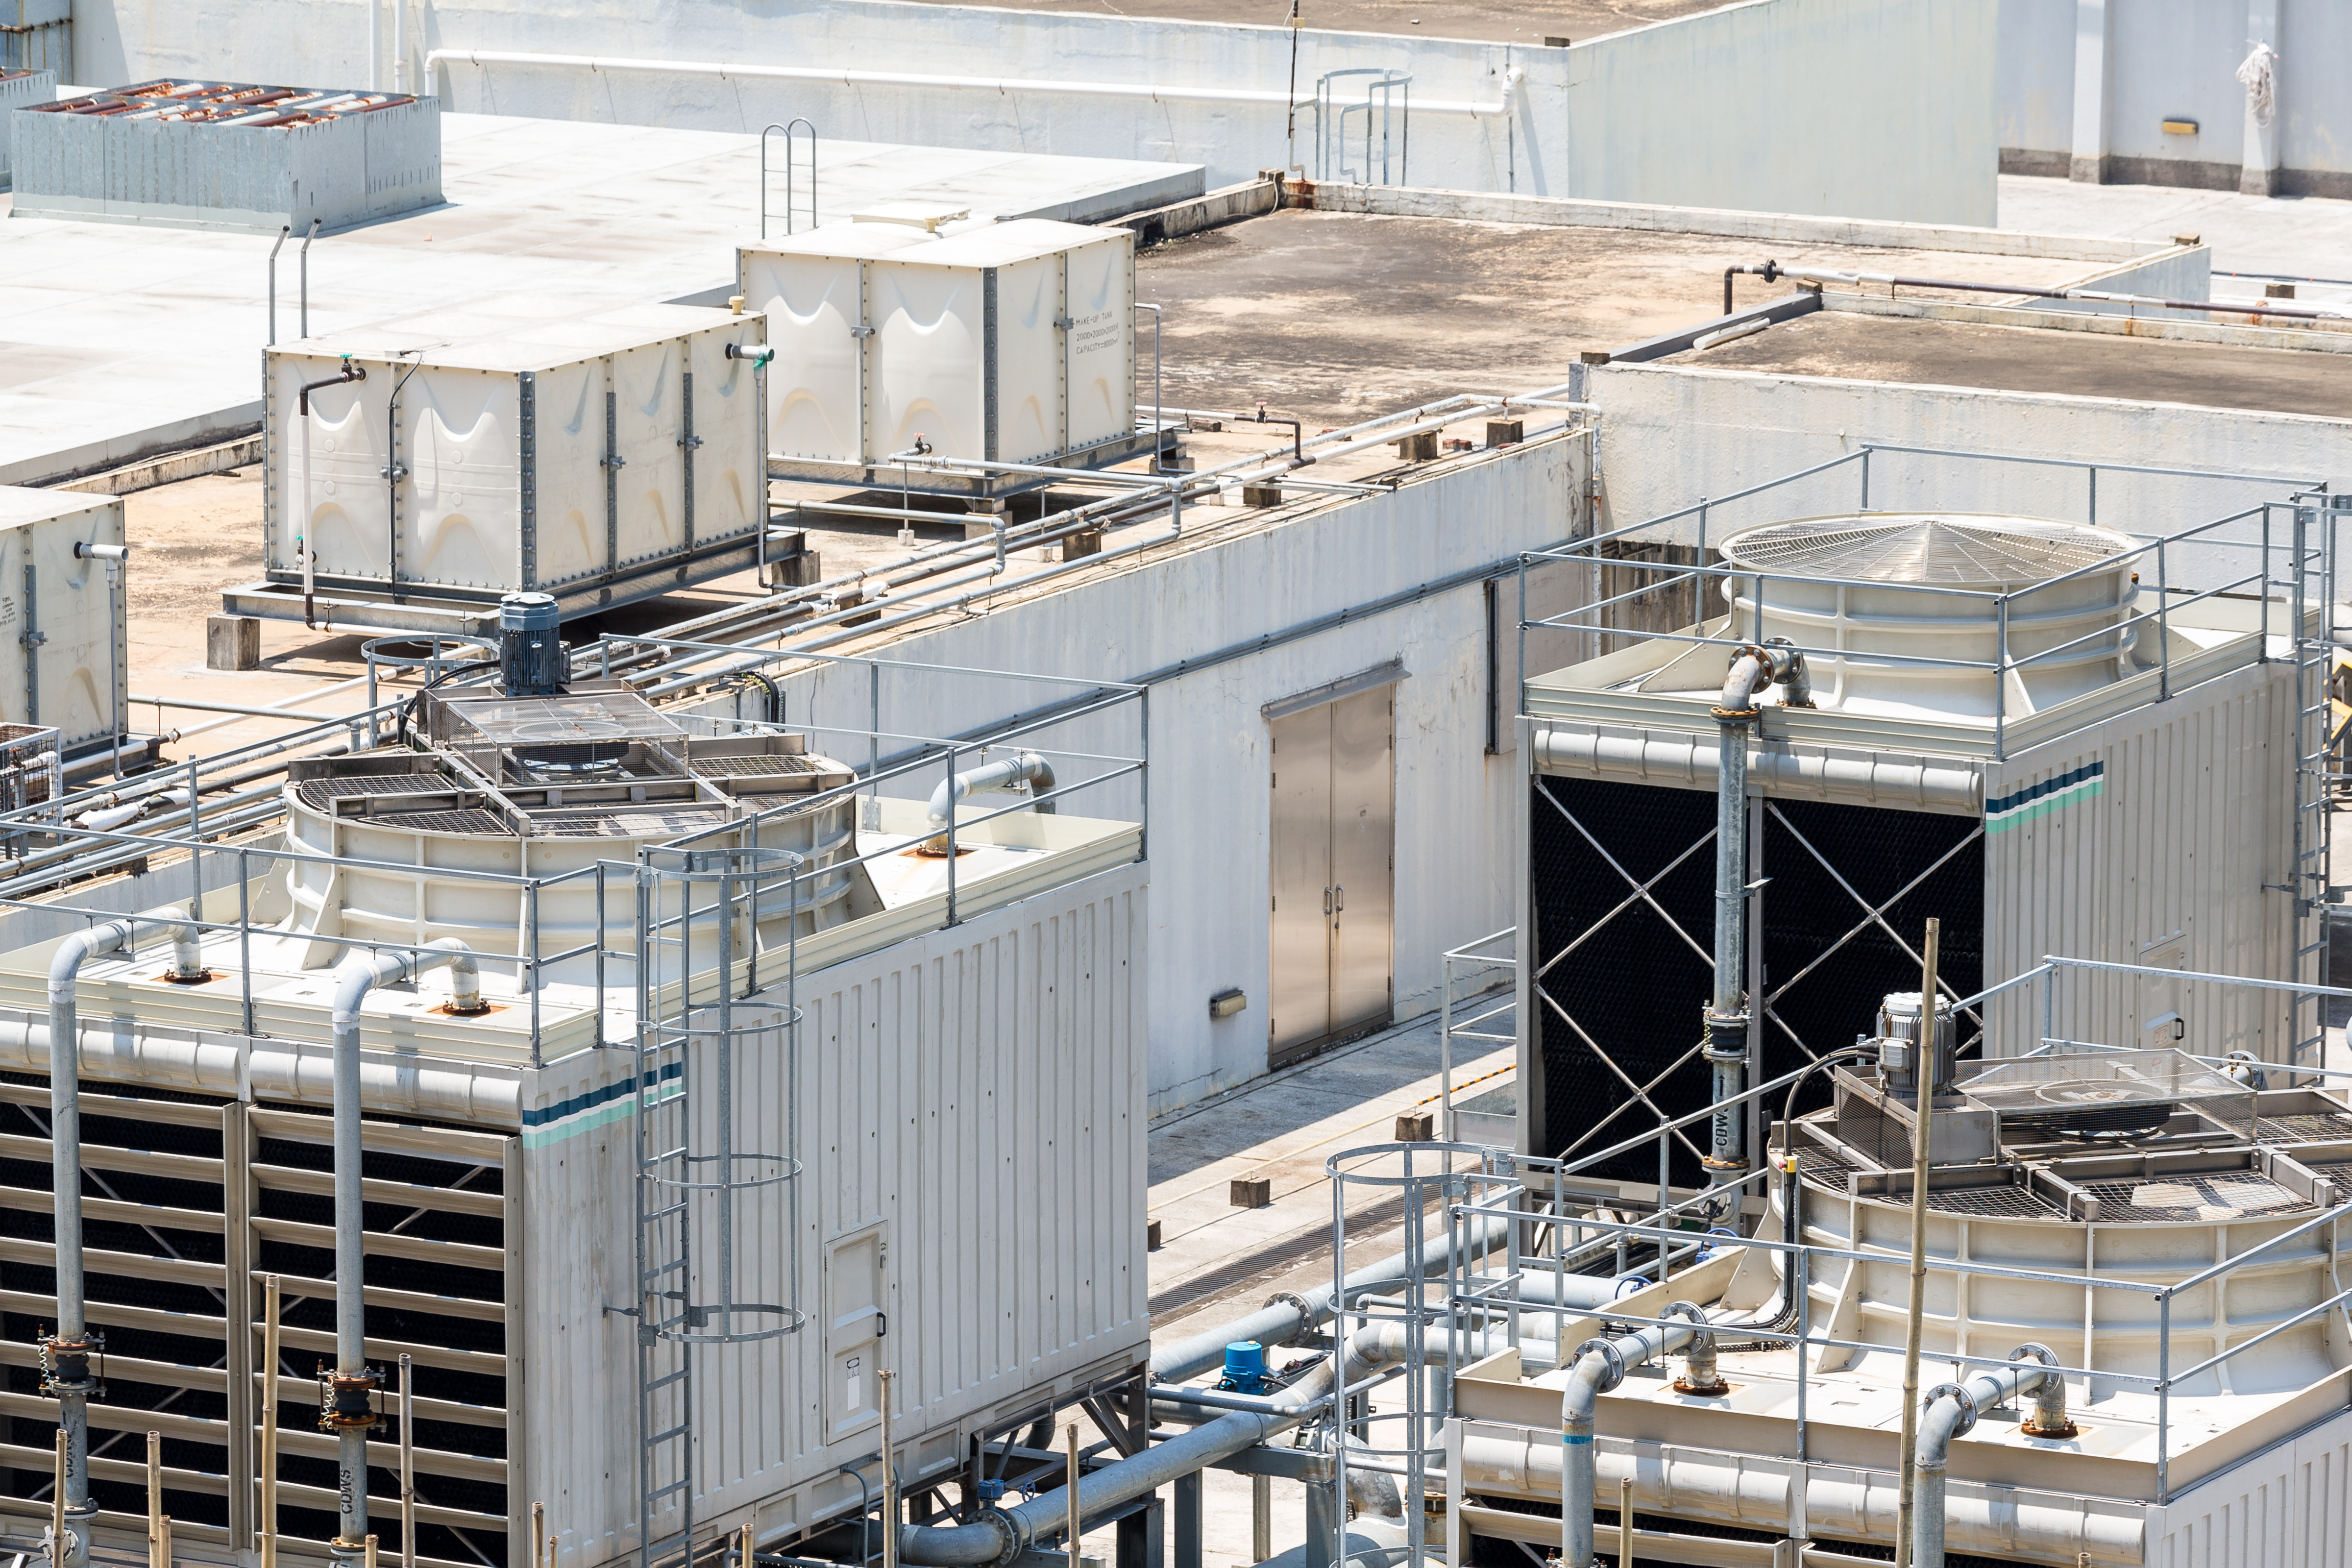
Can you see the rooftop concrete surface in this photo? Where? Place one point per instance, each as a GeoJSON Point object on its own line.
{"type": "Point", "coordinates": [1491, 21]}
{"type": "Point", "coordinates": [2289, 236]}
{"type": "Point", "coordinates": [119, 338]}
{"type": "Point", "coordinates": [1339, 315]}
{"type": "Point", "coordinates": [2040, 360]}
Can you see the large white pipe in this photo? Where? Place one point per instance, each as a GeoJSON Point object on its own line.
{"type": "Point", "coordinates": [349, 1412]}
{"type": "Point", "coordinates": [1066, 87]}
{"type": "Point", "coordinates": [1689, 761]}
{"type": "Point", "coordinates": [67, 1353]}
{"type": "Point", "coordinates": [282, 1070]}
{"type": "Point", "coordinates": [1599, 1366]}
{"type": "Point", "coordinates": [1838, 1503]}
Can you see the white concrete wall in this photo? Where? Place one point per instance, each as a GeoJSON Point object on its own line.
{"type": "Point", "coordinates": [1672, 434]}
{"type": "Point", "coordinates": [1860, 108]}
{"type": "Point", "coordinates": [1208, 819]}
{"type": "Point", "coordinates": [2176, 59]}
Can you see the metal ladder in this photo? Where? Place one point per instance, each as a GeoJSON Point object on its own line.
{"type": "Point", "coordinates": [665, 1357]}
{"type": "Point", "coordinates": [2313, 559]}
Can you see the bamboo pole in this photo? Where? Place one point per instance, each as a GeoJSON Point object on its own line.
{"type": "Point", "coordinates": [539, 1536]}
{"type": "Point", "coordinates": [368, 1558]}
{"type": "Point", "coordinates": [269, 1422]}
{"type": "Point", "coordinates": [1624, 1522]}
{"type": "Point", "coordinates": [407, 1468]}
{"type": "Point", "coordinates": [163, 1541]}
{"type": "Point", "coordinates": [1076, 1521]}
{"type": "Point", "coordinates": [57, 1553]}
{"type": "Point", "coordinates": [1923, 1072]}
{"type": "Point", "coordinates": [155, 1558]}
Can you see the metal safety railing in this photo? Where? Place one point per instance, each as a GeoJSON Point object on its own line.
{"type": "Point", "coordinates": [2293, 571]}
{"type": "Point", "coordinates": [1562, 1222]}
{"type": "Point", "coordinates": [606, 951]}
{"type": "Point", "coordinates": [1471, 979]}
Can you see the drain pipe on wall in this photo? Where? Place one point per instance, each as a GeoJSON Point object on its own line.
{"type": "Point", "coordinates": [1753, 668]}
{"type": "Point", "coordinates": [1952, 1410]}
{"type": "Point", "coordinates": [349, 1413]}
{"type": "Point", "coordinates": [66, 1373]}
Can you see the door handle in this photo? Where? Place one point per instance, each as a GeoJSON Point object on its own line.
{"type": "Point", "coordinates": [1327, 900]}
{"type": "Point", "coordinates": [1342, 903]}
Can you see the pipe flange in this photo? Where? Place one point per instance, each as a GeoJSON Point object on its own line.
{"type": "Point", "coordinates": [2033, 1425]}
{"type": "Point", "coordinates": [1008, 1531]}
{"type": "Point", "coordinates": [1610, 1352]}
{"type": "Point", "coordinates": [1961, 1397]}
{"type": "Point", "coordinates": [346, 1400]}
{"type": "Point", "coordinates": [1702, 1330]}
{"type": "Point", "coordinates": [1732, 715]}
{"type": "Point", "coordinates": [1297, 1303]}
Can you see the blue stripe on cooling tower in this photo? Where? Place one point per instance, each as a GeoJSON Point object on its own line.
{"type": "Point", "coordinates": [586, 1111]}
{"type": "Point", "coordinates": [2039, 800]}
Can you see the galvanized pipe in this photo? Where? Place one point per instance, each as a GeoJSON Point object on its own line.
{"type": "Point", "coordinates": [1285, 1318]}
{"type": "Point", "coordinates": [1028, 768]}
{"type": "Point", "coordinates": [350, 1414]}
{"type": "Point", "coordinates": [1599, 1366]}
{"type": "Point", "coordinates": [66, 1354]}
{"type": "Point", "coordinates": [1951, 1411]}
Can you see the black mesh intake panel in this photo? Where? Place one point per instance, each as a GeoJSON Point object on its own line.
{"type": "Point", "coordinates": [1628, 984]}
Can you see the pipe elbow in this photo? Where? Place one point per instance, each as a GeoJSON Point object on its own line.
{"type": "Point", "coordinates": [464, 974]}
{"type": "Point", "coordinates": [1599, 1367]}
{"type": "Point", "coordinates": [114, 936]}
{"type": "Point", "coordinates": [1740, 684]}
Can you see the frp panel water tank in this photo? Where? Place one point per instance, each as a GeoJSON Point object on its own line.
{"type": "Point", "coordinates": [63, 657]}
{"type": "Point", "coordinates": [518, 444]}
{"type": "Point", "coordinates": [1010, 340]}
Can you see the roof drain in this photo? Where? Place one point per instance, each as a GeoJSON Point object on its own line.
{"type": "Point", "coordinates": [346, 1408]}
{"type": "Point", "coordinates": [66, 1373]}
{"type": "Point", "coordinates": [1951, 1411]}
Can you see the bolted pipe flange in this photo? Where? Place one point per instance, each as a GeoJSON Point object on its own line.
{"type": "Point", "coordinates": [65, 1365]}
{"type": "Point", "coordinates": [1008, 1531]}
{"type": "Point", "coordinates": [346, 1400]}
{"type": "Point", "coordinates": [1727, 1035]}
{"type": "Point", "coordinates": [2049, 1418]}
{"type": "Point", "coordinates": [1615, 1357]}
{"type": "Point", "coordinates": [1701, 1375]}
{"type": "Point", "coordinates": [1298, 1304]}
{"type": "Point", "coordinates": [1961, 1397]}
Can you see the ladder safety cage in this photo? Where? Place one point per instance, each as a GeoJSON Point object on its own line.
{"type": "Point", "coordinates": [717, 1057]}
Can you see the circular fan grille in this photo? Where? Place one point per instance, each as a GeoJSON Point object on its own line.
{"type": "Point", "coordinates": [1950, 550]}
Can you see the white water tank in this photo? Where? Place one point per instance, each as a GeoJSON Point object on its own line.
{"type": "Point", "coordinates": [64, 660]}
{"type": "Point", "coordinates": [1894, 593]}
{"type": "Point", "coordinates": [1010, 340]}
{"type": "Point", "coordinates": [525, 443]}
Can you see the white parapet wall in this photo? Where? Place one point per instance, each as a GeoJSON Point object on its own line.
{"type": "Point", "coordinates": [2148, 93]}
{"type": "Point", "coordinates": [1874, 109]}
{"type": "Point", "coordinates": [1211, 741]}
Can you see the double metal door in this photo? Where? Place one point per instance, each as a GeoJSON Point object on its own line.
{"type": "Point", "coordinates": [1332, 923]}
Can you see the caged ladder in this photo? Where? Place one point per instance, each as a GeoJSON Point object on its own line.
{"type": "Point", "coordinates": [715, 1160]}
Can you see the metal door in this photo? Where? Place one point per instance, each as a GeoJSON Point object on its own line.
{"type": "Point", "coordinates": [1363, 849]}
{"type": "Point", "coordinates": [1330, 926]}
{"type": "Point", "coordinates": [1299, 926]}
{"type": "Point", "coordinates": [855, 1322]}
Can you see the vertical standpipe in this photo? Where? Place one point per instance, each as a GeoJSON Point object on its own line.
{"type": "Point", "coordinates": [348, 1409]}
{"type": "Point", "coordinates": [66, 1374]}
{"type": "Point", "coordinates": [1753, 668]}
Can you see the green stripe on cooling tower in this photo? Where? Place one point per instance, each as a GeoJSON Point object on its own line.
{"type": "Point", "coordinates": [2021, 807]}
{"type": "Point", "coordinates": [586, 1113]}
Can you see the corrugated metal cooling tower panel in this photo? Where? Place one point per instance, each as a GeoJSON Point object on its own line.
{"type": "Point", "coordinates": [1625, 973]}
